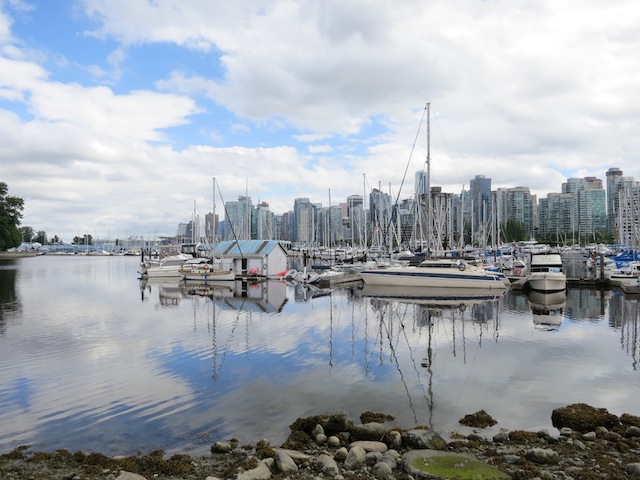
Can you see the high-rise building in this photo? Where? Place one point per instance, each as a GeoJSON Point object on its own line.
{"type": "Point", "coordinates": [264, 222]}
{"type": "Point", "coordinates": [304, 221]}
{"type": "Point", "coordinates": [422, 184]}
{"type": "Point", "coordinates": [238, 219]}
{"type": "Point", "coordinates": [516, 204]}
{"type": "Point", "coordinates": [480, 198]}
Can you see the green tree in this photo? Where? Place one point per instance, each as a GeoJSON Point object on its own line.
{"type": "Point", "coordinates": [10, 215]}
{"type": "Point", "coordinates": [514, 231]}
{"type": "Point", "coordinates": [27, 233]}
{"type": "Point", "coordinates": [85, 240]}
{"type": "Point", "coordinates": [41, 237]}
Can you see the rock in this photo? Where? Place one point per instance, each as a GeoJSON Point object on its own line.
{"type": "Point", "coordinates": [355, 458]}
{"type": "Point", "coordinates": [369, 446]}
{"type": "Point", "coordinates": [590, 436]}
{"type": "Point", "coordinates": [389, 460]}
{"type": "Point", "coordinates": [321, 439]}
{"type": "Point", "coordinates": [328, 465]}
{"type": "Point", "coordinates": [331, 424]}
{"type": "Point", "coordinates": [221, 447]}
{"type": "Point", "coordinates": [341, 454]}
{"type": "Point", "coordinates": [297, 456]}
{"type": "Point", "coordinates": [583, 418]}
{"type": "Point", "coordinates": [371, 458]}
{"type": "Point", "coordinates": [394, 439]}
{"type": "Point", "coordinates": [333, 441]}
{"type": "Point", "coordinates": [501, 437]}
{"type": "Point", "coordinates": [423, 463]}
{"type": "Point", "coordinates": [367, 417]}
{"type": "Point", "coordinates": [129, 476]}
{"type": "Point", "coordinates": [633, 468]}
{"type": "Point", "coordinates": [423, 439]}
{"type": "Point", "coordinates": [317, 430]}
{"type": "Point", "coordinates": [480, 419]}
{"type": "Point", "coordinates": [285, 463]}
{"type": "Point", "coordinates": [542, 456]}
{"type": "Point", "coordinates": [369, 431]}
{"type": "Point", "coordinates": [382, 470]}
{"type": "Point", "coordinates": [632, 431]}
{"type": "Point", "coordinates": [261, 472]}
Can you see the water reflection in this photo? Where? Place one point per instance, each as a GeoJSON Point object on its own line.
{"type": "Point", "coordinates": [165, 365]}
{"type": "Point", "coordinates": [547, 308]}
{"type": "Point", "coordinates": [9, 299]}
{"type": "Point", "coordinates": [264, 297]}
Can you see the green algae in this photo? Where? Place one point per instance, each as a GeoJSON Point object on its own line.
{"type": "Point", "coordinates": [458, 468]}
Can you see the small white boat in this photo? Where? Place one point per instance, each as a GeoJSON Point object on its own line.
{"type": "Point", "coordinates": [546, 273]}
{"type": "Point", "coordinates": [206, 272]}
{"type": "Point", "coordinates": [434, 297]}
{"type": "Point", "coordinates": [167, 267]}
{"type": "Point", "coordinates": [443, 272]}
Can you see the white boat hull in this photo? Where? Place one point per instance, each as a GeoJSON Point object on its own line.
{"type": "Point", "coordinates": [547, 282]}
{"type": "Point", "coordinates": [433, 278]}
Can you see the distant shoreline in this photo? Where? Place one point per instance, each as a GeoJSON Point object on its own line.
{"type": "Point", "coordinates": [5, 254]}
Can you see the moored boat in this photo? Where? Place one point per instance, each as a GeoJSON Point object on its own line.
{"type": "Point", "coordinates": [441, 273]}
{"type": "Point", "coordinates": [546, 273]}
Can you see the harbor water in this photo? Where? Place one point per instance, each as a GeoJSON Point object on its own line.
{"type": "Point", "coordinates": [93, 359]}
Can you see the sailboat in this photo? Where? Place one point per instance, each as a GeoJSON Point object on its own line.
{"type": "Point", "coordinates": [448, 272]}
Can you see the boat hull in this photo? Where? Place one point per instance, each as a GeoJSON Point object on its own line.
{"type": "Point", "coordinates": [547, 282]}
{"type": "Point", "coordinates": [436, 278]}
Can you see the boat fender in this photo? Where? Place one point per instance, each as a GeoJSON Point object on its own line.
{"type": "Point", "coordinates": [517, 271]}
{"type": "Point", "coordinates": [461, 266]}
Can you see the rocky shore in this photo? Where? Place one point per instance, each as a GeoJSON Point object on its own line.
{"type": "Point", "coordinates": [590, 443]}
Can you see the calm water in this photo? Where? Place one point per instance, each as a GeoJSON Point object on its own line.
{"type": "Point", "coordinates": [92, 359]}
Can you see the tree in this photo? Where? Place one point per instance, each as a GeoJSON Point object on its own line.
{"type": "Point", "coordinates": [41, 237]}
{"type": "Point", "coordinates": [27, 233]}
{"type": "Point", "coordinates": [514, 231]}
{"type": "Point", "coordinates": [85, 240]}
{"type": "Point", "coordinates": [10, 215]}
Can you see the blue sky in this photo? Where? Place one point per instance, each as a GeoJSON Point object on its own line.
{"type": "Point", "coordinates": [116, 115]}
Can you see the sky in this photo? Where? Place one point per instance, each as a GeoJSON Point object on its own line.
{"type": "Point", "coordinates": [116, 116]}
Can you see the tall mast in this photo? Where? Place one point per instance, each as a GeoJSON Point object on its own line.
{"type": "Point", "coordinates": [428, 180]}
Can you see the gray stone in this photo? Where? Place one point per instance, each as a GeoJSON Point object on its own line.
{"type": "Point", "coordinates": [395, 439]}
{"type": "Point", "coordinates": [333, 441]}
{"type": "Point", "coordinates": [317, 430]}
{"type": "Point", "coordinates": [328, 465]}
{"type": "Point", "coordinates": [296, 455]}
{"type": "Point", "coordinates": [355, 458]}
{"type": "Point", "coordinates": [370, 446]}
{"type": "Point", "coordinates": [221, 447]}
{"type": "Point", "coordinates": [371, 458]}
{"type": "Point", "coordinates": [321, 439]}
{"type": "Point", "coordinates": [633, 468]}
{"type": "Point", "coordinates": [475, 437]}
{"type": "Point", "coordinates": [285, 463]}
{"type": "Point", "coordinates": [542, 456]}
{"type": "Point", "coordinates": [369, 431]}
{"type": "Point", "coordinates": [389, 460]}
{"type": "Point", "coordinates": [129, 476]}
{"type": "Point", "coordinates": [632, 431]}
{"type": "Point", "coordinates": [423, 439]}
{"type": "Point", "coordinates": [381, 470]}
{"type": "Point", "coordinates": [589, 436]}
{"type": "Point", "coordinates": [613, 437]}
{"type": "Point", "coordinates": [393, 453]}
{"type": "Point", "coordinates": [566, 432]}
{"type": "Point", "coordinates": [501, 437]}
{"type": "Point", "coordinates": [341, 454]}
{"type": "Point", "coordinates": [261, 472]}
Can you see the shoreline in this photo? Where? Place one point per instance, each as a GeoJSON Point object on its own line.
{"type": "Point", "coordinates": [591, 443]}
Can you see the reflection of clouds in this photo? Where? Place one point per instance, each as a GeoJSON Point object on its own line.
{"type": "Point", "coordinates": [172, 373]}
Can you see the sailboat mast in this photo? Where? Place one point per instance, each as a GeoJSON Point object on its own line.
{"type": "Point", "coordinates": [428, 180]}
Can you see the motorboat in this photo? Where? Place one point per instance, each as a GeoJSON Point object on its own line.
{"type": "Point", "coordinates": [206, 271]}
{"type": "Point", "coordinates": [168, 266]}
{"type": "Point", "coordinates": [442, 272]}
{"type": "Point", "coordinates": [546, 273]}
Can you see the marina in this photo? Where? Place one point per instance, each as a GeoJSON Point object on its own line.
{"type": "Point", "coordinates": [93, 358]}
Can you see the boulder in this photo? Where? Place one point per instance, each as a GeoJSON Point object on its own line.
{"type": "Point", "coordinates": [583, 418]}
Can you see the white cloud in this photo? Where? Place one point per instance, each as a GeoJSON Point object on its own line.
{"type": "Point", "coordinates": [526, 94]}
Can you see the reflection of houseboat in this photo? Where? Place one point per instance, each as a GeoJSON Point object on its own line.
{"type": "Point", "coordinates": [547, 308]}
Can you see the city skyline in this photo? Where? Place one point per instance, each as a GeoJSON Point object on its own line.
{"type": "Point", "coordinates": [115, 116]}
